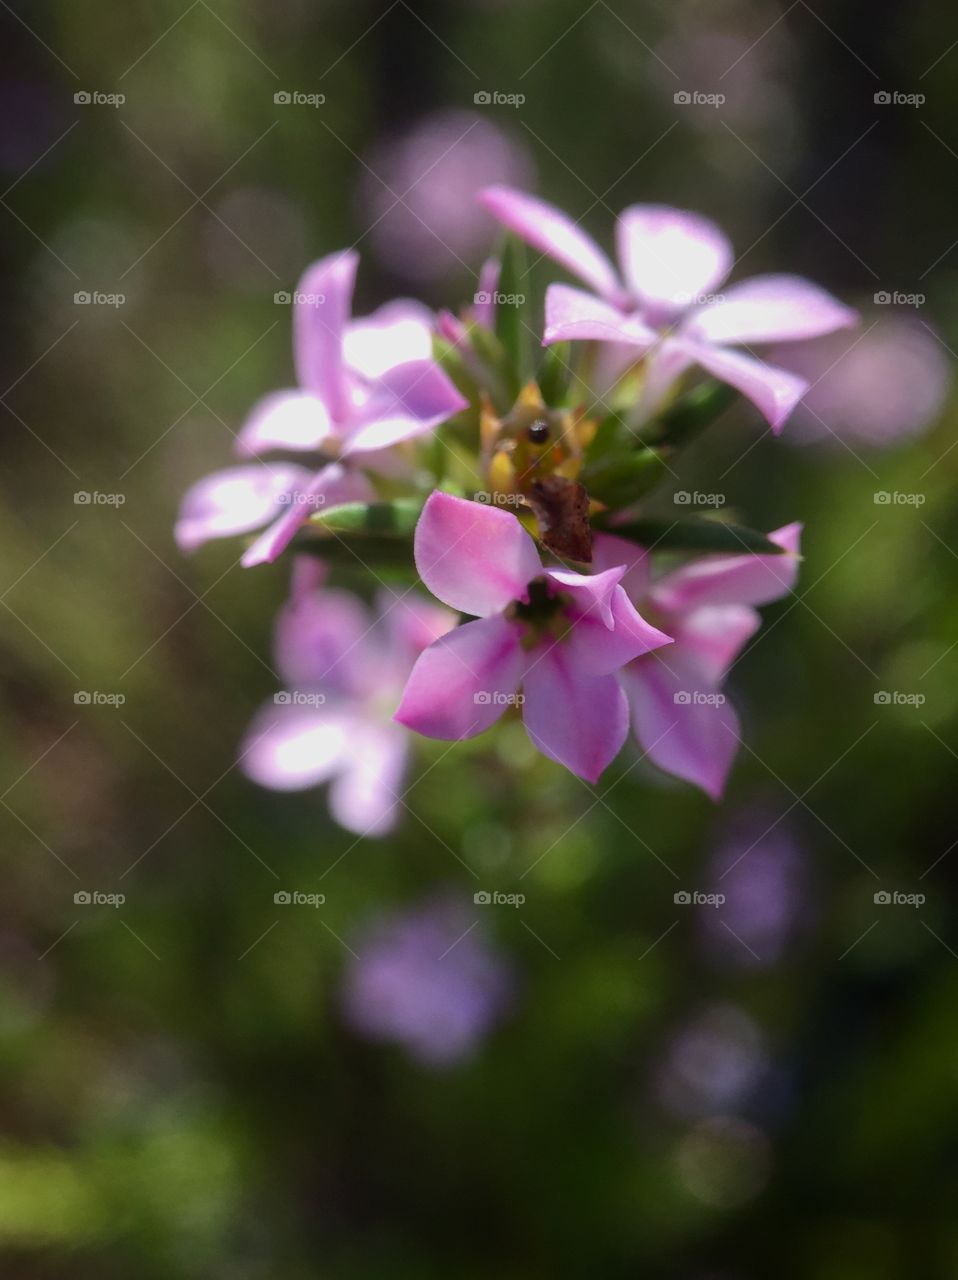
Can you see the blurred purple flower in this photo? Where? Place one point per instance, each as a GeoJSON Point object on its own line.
{"type": "Point", "coordinates": [427, 979]}
{"type": "Point", "coordinates": [345, 668]}
{"type": "Point", "coordinates": [759, 867]}
{"type": "Point", "coordinates": [419, 193]}
{"type": "Point", "coordinates": [884, 386]}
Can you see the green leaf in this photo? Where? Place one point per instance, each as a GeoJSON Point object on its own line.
{"type": "Point", "coordinates": [613, 436]}
{"type": "Point", "coordinates": [502, 381]}
{"type": "Point", "coordinates": [394, 520]}
{"type": "Point", "coordinates": [511, 319]}
{"type": "Point", "coordinates": [619, 480]}
{"type": "Point", "coordinates": [555, 373]}
{"type": "Point", "coordinates": [690, 415]}
{"type": "Point", "coordinates": [693, 535]}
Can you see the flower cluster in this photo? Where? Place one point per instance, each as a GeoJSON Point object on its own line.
{"type": "Point", "coordinates": [514, 475]}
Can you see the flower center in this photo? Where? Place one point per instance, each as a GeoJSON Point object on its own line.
{"type": "Point", "coordinates": [543, 615]}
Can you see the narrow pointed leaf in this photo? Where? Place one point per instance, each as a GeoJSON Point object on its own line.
{"type": "Point", "coordinates": [394, 520]}
{"type": "Point", "coordinates": [693, 535]}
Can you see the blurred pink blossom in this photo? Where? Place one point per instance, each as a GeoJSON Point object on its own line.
{"type": "Point", "coordinates": [419, 194]}
{"type": "Point", "coordinates": [883, 386]}
{"type": "Point", "coordinates": [759, 867]}
{"type": "Point", "coordinates": [345, 667]}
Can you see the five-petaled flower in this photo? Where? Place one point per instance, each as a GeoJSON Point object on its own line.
{"type": "Point", "coordinates": [345, 670]}
{"type": "Point", "coordinates": [663, 302]}
{"type": "Point", "coordinates": [681, 720]}
{"type": "Point", "coordinates": [560, 636]}
{"type": "Point", "coordinates": [364, 385]}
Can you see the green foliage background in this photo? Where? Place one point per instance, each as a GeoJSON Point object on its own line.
{"type": "Point", "coordinates": [180, 1096]}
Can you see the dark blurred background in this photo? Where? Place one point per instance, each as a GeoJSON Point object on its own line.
{"type": "Point", "coordinates": [764, 1088]}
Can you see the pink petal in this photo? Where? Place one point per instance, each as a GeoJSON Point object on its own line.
{"type": "Point", "coordinates": [461, 684]}
{"type": "Point", "coordinates": [737, 579]}
{"type": "Point", "coordinates": [324, 299]}
{"type": "Point", "coordinates": [669, 257]}
{"type": "Point", "coordinates": [474, 558]}
{"type": "Point", "coordinates": [695, 739]}
{"type": "Point", "coordinates": [552, 232]}
{"type": "Point", "coordinates": [291, 747]}
{"type": "Point", "coordinates": [328, 487]}
{"type": "Point", "coordinates": [397, 333]}
{"type": "Point", "coordinates": [771, 309]}
{"type": "Point", "coordinates": [408, 400]}
{"type": "Point", "coordinates": [579, 721]}
{"type": "Point", "coordinates": [572, 314]}
{"type": "Point", "coordinates": [596, 649]}
{"type": "Point", "coordinates": [775, 392]}
{"type": "Point", "coordinates": [712, 637]}
{"type": "Point", "coordinates": [284, 420]}
{"type": "Point", "coordinates": [320, 639]}
{"type": "Point", "coordinates": [590, 595]}
{"type": "Point", "coordinates": [412, 623]}
{"type": "Point", "coordinates": [234, 501]}
{"type": "Point", "coordinates": [365, 797]}
{"type": "Point", "coordinates": [609, 552]}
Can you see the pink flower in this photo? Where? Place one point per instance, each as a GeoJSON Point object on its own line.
{"type": "Point", "coordinates": [345, 671]}
{"type": "Point", "coordinates": [663, 302]}
{"type": "Point", "coordinates": [559, 635]}
{"type": "Point", "coordinates": [681, 719]}
{"type": "Point", "coordinates": [364, 385]}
